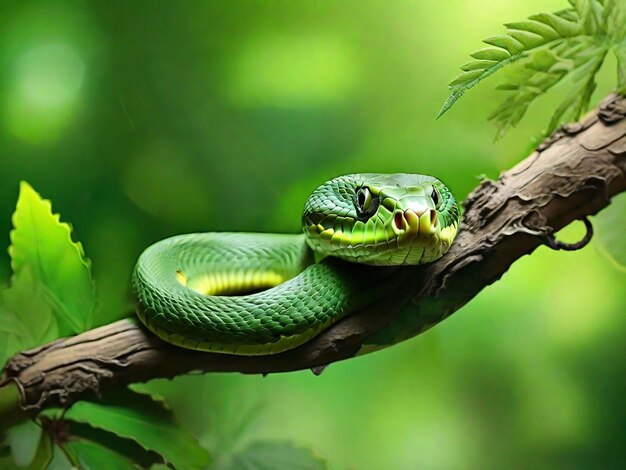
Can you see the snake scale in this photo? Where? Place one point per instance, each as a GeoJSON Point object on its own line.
{"type": "Point", "coordinates": [264, 293]}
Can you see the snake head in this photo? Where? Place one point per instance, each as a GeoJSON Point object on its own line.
{"type": "Point", "coordinates": [381, 219]}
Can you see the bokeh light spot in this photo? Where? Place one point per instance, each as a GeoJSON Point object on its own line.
{"type": "Point", "coordinates": [297, 71]}
{"type": "Point", "coordinates": [44, 92]}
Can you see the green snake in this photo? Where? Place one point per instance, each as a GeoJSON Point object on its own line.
{"type": "Point", "coordinates": [264, 293]}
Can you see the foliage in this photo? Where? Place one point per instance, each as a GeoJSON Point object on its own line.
{"type": "Point", "coordinates": [568, 45]}
{"type": "Point", "coordinates": [147, 421]}
{"type": "Point", "coordinates": [544, 50]}
{"type": "Point", "coordinates": [41, 243]}
{"type": "Point", "coordinates": [176, 127]}
{"type": "Point", "coordinates": [51, 291]}
{"type": "Point", "coordinates": [52, 294]}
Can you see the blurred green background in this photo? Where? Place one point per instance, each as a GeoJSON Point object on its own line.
{"type": "Point", "coordinates": [148, 119]}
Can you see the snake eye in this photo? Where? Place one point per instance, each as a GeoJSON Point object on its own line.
{"type": "Point", "coordinates": [363, 199]}
{"type": "Point", "coordinates": [435, 197]}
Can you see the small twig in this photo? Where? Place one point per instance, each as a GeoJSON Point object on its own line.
{"type": "Point", "coordinates": [550, 241]}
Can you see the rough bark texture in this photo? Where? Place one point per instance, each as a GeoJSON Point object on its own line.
{"type": "Point", "coordinates": [572, 175]}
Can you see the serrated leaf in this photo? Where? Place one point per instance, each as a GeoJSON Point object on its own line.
{"type": "Point", "coordinates": [26, 318]}
{"type": "Point", "coordinates": [578, 98]}
{"type": "Point", "coordinates": [274, 455]}
{"type": "Point", "coordinates": [534, 76]}
{"type": "Point", "coordinates": [456, 95]}
{"type": "Point", "coordinates": [521, 40]}
{"type": "Point", "coordinates": [608, 226]}
{"type": "Point", "coordinates": [147, 422]}
{"type": "Point", "coordinates": [543, 69]}
{"type": "Point", "coordinates": [42, 242]}
{"type": "Point", "coordinates": [91, 456]}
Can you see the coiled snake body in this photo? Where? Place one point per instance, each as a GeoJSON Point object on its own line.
{"type": "Point", "coordinates": [194, 290]}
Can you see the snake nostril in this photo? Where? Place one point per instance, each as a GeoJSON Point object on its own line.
{"type": "Point", "coordinates": [398, 220]}
{"type": "Point", "coordinates": [433, 218]}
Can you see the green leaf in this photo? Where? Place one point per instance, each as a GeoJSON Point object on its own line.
{"type": "Point", "coordinates": [535, 75]}
{"type": "Point", "coordinates": [26, 318]}
{"type": "Point", "coordinates": [44, 244]}
{"type": "Point", "coordinates": [60, 460]}
{"type": "Point", "coordinates": [24, 439]}
{"type": "Point", "coordinates": [147, 422]}
{"type": "Point", "coordinates": [90, 455]}
{"type": "Point", "coordinates": [461, 87]}
{"type": "Point", "coordinates": [536, 27]}
{"type": "Point", "coordinates": [615, 19]}
{"type": "Point", "coordinates": [583, 84]}
{"type": "Point", "coordinates": [127, 448]}
{"type": "Point", "coordinates": [578, 38]}
{"type": "Point", "coordinates": [590, 12]}
{"type": "Point", "coordinates": [512, 45]}
{"type": "Point", "coordinates": [564, 27]}
{"type": "Point", "coordinates": [495, 54]}
{"type": "Point", "coordinates": [608, 229]}
{"type": "Point", "coordinates": [274, 455]}
{"type": "Point", "coordinates": [521, 39]}
{"type": "Point", "coordinates": [43, 453]}
{"type": "Point", "coordinates": [544, 68]}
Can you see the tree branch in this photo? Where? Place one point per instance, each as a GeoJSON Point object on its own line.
{"type": "Point", "coordinates": [571, 176]}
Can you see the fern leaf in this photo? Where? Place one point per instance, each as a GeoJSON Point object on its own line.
{"type": "Point", "coordinates": [512, 45]}
{"type": "Point", "coordinates": [583, 79]}
{"type": "Point", "coordinates": [614, 16]}
{"type": "Point", "coordinates": [542, 70]}
{"type": "Point", "coordinates": [536, 75]}
{"type": "Point", "coordinates": [564, 27]}
{"type": "Point", "coordinates": [539, 29]}
{"type": "Point", "coordinates": [462, 87]}
{"type": "Point", "coordinates": [544, 49]}
{"type": "Point", "coordinates": [521, 38]}
{"type": "Point", "coordinates": [591, 14]}
{"type": "Point", "coordinates": [568, 14]}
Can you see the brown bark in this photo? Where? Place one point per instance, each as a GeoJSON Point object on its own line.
{"type": "Point", "coordinates": [572, 175]}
